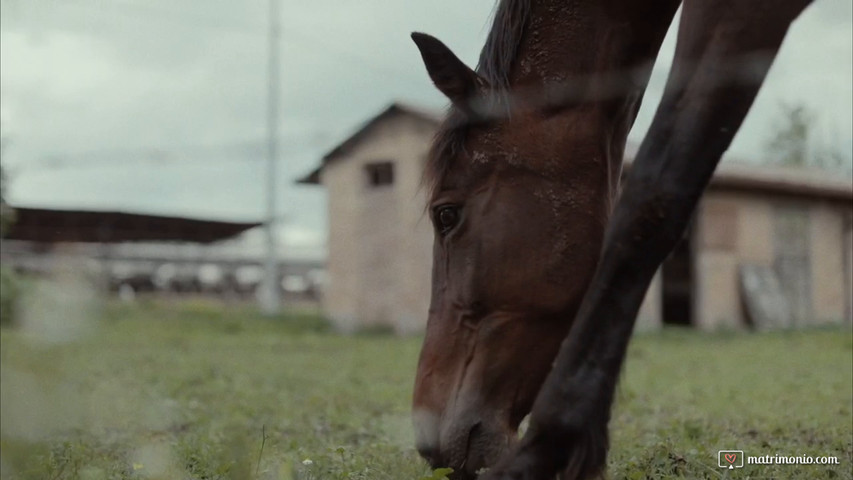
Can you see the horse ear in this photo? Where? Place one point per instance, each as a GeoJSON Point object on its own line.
{"type": "Point", "coordinates": [458, 82]}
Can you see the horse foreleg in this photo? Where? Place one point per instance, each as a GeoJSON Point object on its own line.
{"type": "Point", "coordinates": [724, 51]}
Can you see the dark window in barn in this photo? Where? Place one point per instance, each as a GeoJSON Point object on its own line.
{"type": "Point", "coordinates": [379, 174]}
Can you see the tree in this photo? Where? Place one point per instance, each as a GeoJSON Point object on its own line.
{"type": "Point", "coordinates": [794, 143]}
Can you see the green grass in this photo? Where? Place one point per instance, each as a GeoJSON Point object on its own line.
{"type": "Point", "coordinates": [684, 396]}
{"type": "Point", "coordinates": [195, 391]}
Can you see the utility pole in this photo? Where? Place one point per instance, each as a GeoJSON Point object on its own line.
{"type": "Point", "coordinates": [270, 297]}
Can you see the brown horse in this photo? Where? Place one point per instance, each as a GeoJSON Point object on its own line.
{"type": "Point", "coordinates": [533, 267]}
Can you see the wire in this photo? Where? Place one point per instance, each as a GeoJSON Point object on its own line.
{"type": "Point", "coordinates": [248, 151]}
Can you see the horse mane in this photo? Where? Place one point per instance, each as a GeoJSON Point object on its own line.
{"type": "Point", "coordinates": [499, 52]}
{"type": "Point", "coordinates": [495, 64]}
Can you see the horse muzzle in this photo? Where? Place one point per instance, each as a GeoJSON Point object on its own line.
{"type": "Point", "coordinates": [467, 443]}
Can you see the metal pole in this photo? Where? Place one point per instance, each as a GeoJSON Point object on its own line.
{"type": "Point", "coordinates": [271, 296]}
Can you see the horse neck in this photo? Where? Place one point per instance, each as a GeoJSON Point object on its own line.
{"type": "Point", "coordinates": [594, 58]}
{"type": "Point", "coordinates": [582, 42]}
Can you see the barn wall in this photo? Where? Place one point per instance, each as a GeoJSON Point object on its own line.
{"type": "Point", "coordinates": [379, 245]}
{"type": "Point", "coordinates": [742, 229]}
{"type": "Point", "coordinates": [717, 291]}
{"type": "Point", "coordinates": [650, 316]}
{"type": "Point", "coordinates": [340, 297]}
{"type": "Point", "coordinates": [755, 225]}
{"type": "Point", "coordinates": [720, 221]}
{"type": "Point", "coordinates": [827, 253]}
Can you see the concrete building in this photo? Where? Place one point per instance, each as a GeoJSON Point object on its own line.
{"type": "Point", "coordinates": [769, 247]}
{"type": "Point", "coordinates": [380, 240]}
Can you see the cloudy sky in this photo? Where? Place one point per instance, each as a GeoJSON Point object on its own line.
{"type": "Point", "coordinates": [159, 105]}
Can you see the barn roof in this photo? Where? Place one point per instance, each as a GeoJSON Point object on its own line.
{"type": "Point", "coordinates": [800, 182]}
{"type": "Point", "coordinates": [52, 226]}
{"type": "Point", "coordinates": [739, 175]}
{"type": "Point", "coordinates": [732, 175]}
{"type": "Point", "coordinates": [395, 109]}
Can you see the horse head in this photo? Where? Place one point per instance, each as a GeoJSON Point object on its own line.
{"type": "Point", "coordinates": [517, 235]}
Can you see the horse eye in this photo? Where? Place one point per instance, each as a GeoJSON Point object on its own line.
{"type": "Point", "coordinates": [446, 216]}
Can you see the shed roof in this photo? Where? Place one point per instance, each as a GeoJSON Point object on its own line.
{"type": "Point", "coordinates": [802, 182]}
{"type": "Point", "coordinates": [395, 109]}
{"type": "Point", "coordinates": [53, 226]}
{"type": "Point", "coordinates": [738, 175]}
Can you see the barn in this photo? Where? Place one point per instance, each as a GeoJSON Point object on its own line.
{"type": "Point", "coordinates": [769, 246]}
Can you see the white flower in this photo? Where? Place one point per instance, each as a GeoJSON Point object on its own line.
{"type": "Point", "coordinates": [307, 461]}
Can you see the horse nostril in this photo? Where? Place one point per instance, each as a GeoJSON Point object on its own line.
{"type": "Point", "coordinates": [472, 436]}
{"type": "Point", "coordinates": [430, 454]}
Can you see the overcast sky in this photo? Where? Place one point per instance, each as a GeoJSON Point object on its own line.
{"type": "Point", "coordinates": [159, 105]}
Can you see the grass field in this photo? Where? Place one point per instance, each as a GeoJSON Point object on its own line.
{"type": "Point", "coordinates": [197, 392]}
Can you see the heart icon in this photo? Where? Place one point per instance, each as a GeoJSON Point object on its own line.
{"type": "Point", "coordinates": [731, 457]}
